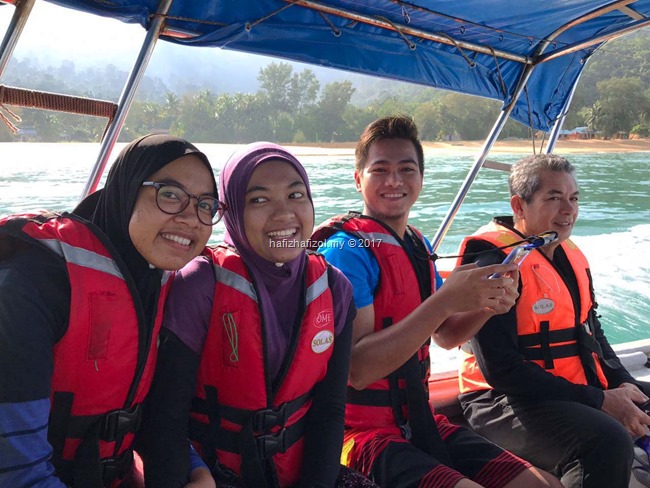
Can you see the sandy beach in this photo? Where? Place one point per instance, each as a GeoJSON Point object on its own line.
{"type": "Point", "coordinates": [472, 148]}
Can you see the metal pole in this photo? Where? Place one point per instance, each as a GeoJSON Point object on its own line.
{"type": "Point", "coordinates": [471, 176]}
{"type": "Point", "coordinates": [498, 126]}
{"type": "Point", "coordinates": [555, 130]}
{"type": "Point", "coordinates": [18, 21]}
{"type": "Point", "coordinates": [473, 172]}
{"type": "Point", "coordinates": [126, 98]}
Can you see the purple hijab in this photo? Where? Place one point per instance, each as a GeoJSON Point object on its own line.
{"type": "Point", "coordinates": [278, 287]}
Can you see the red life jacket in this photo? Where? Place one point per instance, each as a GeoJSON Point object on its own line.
{"type": "Point", "coordinates": [383, 403]}
{"type": "Point", "coordinates": [550, 333]}
{"type": "Point", "coordinates": [104, 364]}
{"type": "Point", "coordinates": [241, 423]}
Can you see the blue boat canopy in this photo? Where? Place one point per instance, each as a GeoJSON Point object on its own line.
{"type": "Point", "coordinates": [476, 47]}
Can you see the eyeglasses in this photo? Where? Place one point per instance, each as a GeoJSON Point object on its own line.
{"type": "Point", "coordinates": [173, 200]}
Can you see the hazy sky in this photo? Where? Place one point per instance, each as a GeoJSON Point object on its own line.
{"type": "Point", "coordinates": [61, 31]}
{"type": "Point", "coordinates": [54, 33]}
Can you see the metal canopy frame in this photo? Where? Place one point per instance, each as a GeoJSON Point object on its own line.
{"type": "Point", "coordinates": [157, 27]}
{"type": "Point", "coordinates": [126, 98]}
{"type": "Point", "coordinates": [403, 29]}
{"type": "Point", "coordinates": [503, 117]}
{"type": "Point", "coordinates": [14, 30]}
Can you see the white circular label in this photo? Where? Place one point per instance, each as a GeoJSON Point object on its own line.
{"type": "Point", "coordinates": [543, 306]}
{"type": "Point", "coordinates": [322, 341]}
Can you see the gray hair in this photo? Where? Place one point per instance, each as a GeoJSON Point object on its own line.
{"type": "Point", "coordinates": [525, 175]}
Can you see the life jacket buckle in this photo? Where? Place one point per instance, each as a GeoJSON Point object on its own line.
{"type": "Point", "coordinates": [405, 428]}
{"type": "Point", "coordinates": [118, 423]}
{"type": "Point", "coordinates": [116, 467]}
{"type": "Point", "coordinates": [264, 420]}
{"type": "Point", "coordinates": [271, 444]}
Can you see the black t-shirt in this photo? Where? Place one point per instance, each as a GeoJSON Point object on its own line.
{"type": "Point", "coordinates": [34, 314]}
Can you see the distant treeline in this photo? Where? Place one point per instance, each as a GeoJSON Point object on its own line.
{"type": "Point", "coordinates": [291, 106]}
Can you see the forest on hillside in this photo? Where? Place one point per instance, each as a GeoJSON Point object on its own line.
{"type": "Point", "coordinates": [292, 105]}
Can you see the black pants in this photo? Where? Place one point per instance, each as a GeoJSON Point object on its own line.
{"type": "Point", "coordinates": [584, 447]}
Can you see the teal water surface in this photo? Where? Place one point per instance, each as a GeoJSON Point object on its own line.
{"type": "Point", "coordinates": [613, 229]}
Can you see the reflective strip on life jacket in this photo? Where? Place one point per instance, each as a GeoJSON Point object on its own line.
{"type": "Point", "coordinates": [94, 395]}
{"type": "Point", "coordinates": [317, 288]}
{"type": "Point", "coordinates": [83, 257]}
{"type": "Point", "coordinates": [233, 280]}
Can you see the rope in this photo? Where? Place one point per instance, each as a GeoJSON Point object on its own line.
{"type": "Point", "coordinates": [335, 30]}
{"type": "Point", "coordinates": [530, 120]}
{"type": "Point", "coordinates": [250, 25]}
{"type": "Point", "coordinates": [5, 119]}
{"type": "Point", "coordinates": [399, 31]}
{"type": "Point", "coordinates": [12, 127]}
{"type": "Point", "coordinates": [460, 49]}
{"type": "Point", "coordinates": [503, 83]}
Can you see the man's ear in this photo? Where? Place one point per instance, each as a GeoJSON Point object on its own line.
{"type": "Point", "coordinates": [516, 203]}
{"type": "Point", "coordinates": [357, 180]}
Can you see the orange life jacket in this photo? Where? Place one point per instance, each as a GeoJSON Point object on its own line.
{"type": "Point", "coordinates": [550, 333]}
{"type": "Point", "coordinates": [240, 423]}
{"type": "Point", "coordinates": [104, 364]}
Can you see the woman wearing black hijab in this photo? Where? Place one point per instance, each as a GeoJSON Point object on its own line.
{"type": "Point", "coordinates": [81, 296]}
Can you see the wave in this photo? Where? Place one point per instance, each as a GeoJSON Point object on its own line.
{"type": "Point", "coordinates": [620, 264]}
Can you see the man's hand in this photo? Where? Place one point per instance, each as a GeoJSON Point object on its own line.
{"type": "Point", "coordinates": [621, 402]}
{"type": "Point", "coordinates": [201, 478]}
{"type": "Point", "coordinates": [470, 288]}
{"type": "Point", "coordinates": [508, 300]}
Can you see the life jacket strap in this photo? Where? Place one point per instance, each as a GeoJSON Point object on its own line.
{"type": "Point", "coordinates": [118, 423]}
{"type": "Point", "coordinates": [267, 445]}
{"type": "Point", "coordinates": [116, 467]}
{"type": "Point", "coordinates": [113, 425]}
{"type": "Point", "coordinates": [108, 427]}
{"type": "Point", "coordinates": [264, 419]}
{"type": "Point", "coordinates": [545, 345]}
{"type": "Point", "coordinates": [263, 434]}
{"type": "Point", "coordinates": [107, 470]}
{"type": "Point", "coordinates": [554, 336]}
{"type": "Point", "coordinates": [554, 352]}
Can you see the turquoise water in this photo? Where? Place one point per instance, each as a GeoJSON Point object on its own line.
{"type": "Point", "coordinates": [613, 229]}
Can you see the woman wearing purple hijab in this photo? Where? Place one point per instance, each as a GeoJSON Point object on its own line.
{"type": "Point", "coordinates": [265, 326]}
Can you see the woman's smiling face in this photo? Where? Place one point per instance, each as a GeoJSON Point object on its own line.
{"type": "Point", "coordinates": [278, 215]}
{"type": "Point", "coordinates": [171, 241]}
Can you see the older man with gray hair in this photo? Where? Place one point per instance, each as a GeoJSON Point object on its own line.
{"type": "Point", "coordinates": [542, 380]}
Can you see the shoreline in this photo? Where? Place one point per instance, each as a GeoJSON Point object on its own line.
{"type": "Point", "coordinates": [472, 148]}
{"type": "Point", "coordinates": [455, 148]}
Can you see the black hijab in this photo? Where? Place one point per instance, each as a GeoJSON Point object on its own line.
{"type": "Point", "coordinates": [110, 208]}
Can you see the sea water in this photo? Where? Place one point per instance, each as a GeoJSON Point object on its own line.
{"type": "Point", "coordinates": [613, 229]}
